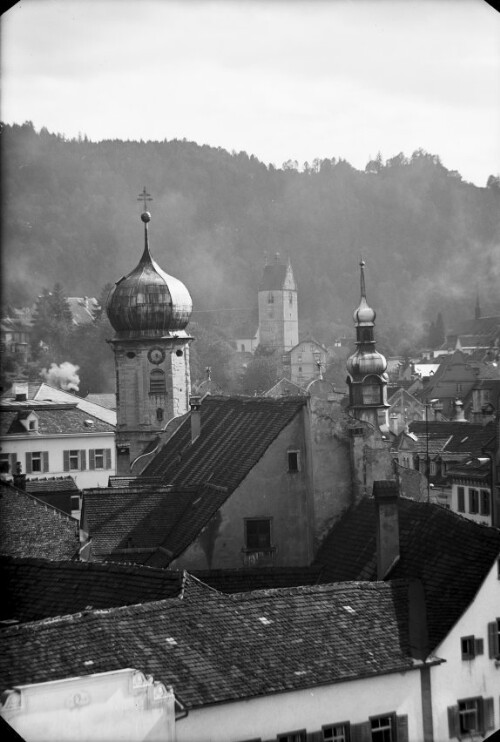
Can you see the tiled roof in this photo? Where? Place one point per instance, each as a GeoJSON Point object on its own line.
{"type": "Point", "coordinates": [450, 554]}
{"type": "Point", "coordinates": [104, 400]}
{"type": "Point", "coordinates": [235, 434]}
{"type": "Point", "coordinates": [213, 648]}
{"type": "Point", "coordinates": [244, 580]}
{"type": "Point", "coordinates": [37, 588]}
{"type": "Point", "coordinates": [53, 419]}
{"type": "Point", "coordinates": [46, 393]}
{"type": "Point", "coordinates": [285, 387]}
{"type": "Point", "coordinates": [147, 525]}
{"type": "Point", "coordinates": [31, 528]}
{"type": "Point", "coordinates": [37, 485]}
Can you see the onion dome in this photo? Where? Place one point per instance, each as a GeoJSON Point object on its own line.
{"type": "Point", "coordinates": [365, 362]}
{"type": "Point", "coordinates": [364, 314]}
{"type": "Point", "coordinates": [148, 301]}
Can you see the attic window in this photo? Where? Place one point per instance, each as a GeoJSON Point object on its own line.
{"type": "Point", "coordinates": [171, 641]}
{"type": "Point", "coordinates": [265, 621]}
{"type": "Point", "coordinates": [89, 423]}
{"type": "Point", "coordinates": [348, 608]}
{"type": "Point", "coordinates": [293, 461]}
{"type": "Point", "coordinates": [32, 424]}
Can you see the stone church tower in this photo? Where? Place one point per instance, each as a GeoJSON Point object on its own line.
{"type": "Point", "coordinates": [278, 312]}
{"type": "Point", "coordinates": [367, 381]}
{"type": "Point", "coordinates": [149, 311]}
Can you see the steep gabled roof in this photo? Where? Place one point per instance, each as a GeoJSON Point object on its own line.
{"type": "Point", "coordinates": [273, 277]}
{"type": "Point", "coordinates": [32, 528]}
{"type": "Point", "coordinates": [34, 589]}
{"type": "Point", "coordinates": [214, 648]}
{"type": "Point", "coordinates": [461, 437]}
{"type": "Point", "coordinates": [235, 434]}
{"type": "Point", "coordinates": [150, 525]}
{"type": "Point", "coordinates": [450, 554]}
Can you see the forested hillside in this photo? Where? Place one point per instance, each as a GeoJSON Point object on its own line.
{"type": "Point", "coordinates": [430, 241]}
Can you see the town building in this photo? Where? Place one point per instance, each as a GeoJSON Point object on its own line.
{"type": "Point", "coordinates": [457, 562]}
{"type": "Point", "coordinates": [54, 438]}
{"type": "Point", "coordinates": [149, 311]}
{"type": "Point", "coordinates": [278, 308]}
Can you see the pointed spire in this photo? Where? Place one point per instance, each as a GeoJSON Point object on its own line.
{"type": "Point", "coordinates": [146, 218]}
{"type": "Point", "coordinates": [362, 278]}
{"type": "Point", "coordinates": [364, 314]}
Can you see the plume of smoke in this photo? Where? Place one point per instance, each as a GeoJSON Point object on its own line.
{"type": "Point", "coordinates": [65, 376]}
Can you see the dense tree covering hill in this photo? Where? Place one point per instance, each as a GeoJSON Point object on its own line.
{"type": "Point", "coordinates": [430, 240]}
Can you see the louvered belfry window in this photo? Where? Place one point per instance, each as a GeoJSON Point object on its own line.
{"type": "Point", "coordinates": [157, 384]}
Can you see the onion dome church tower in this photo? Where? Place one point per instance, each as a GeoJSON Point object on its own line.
{"type": "Point", "coordinates": [149, 311]}
{"type": "Point", "coordinates": [367, 378]}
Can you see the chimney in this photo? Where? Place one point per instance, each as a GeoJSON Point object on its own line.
{"type": "Point", "coordinates": [195, 404]}
{"type": "Point", "coordinates": [20, 391]}
{"type": "Point", "coordinates": [386, 495]}
{"type": "Point", "coordinates": [459, 416]}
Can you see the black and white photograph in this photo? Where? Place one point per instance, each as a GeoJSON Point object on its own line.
{"type": "Point", "coordinates": [250, 371]}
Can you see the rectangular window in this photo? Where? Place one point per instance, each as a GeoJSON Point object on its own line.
{"type": "Point", "coordinates": [473, 501]}
{"type": "Point", "coordinates": [293, 460]}
{"type": "Point", "coordinates": [383, 728]}
{"type": "Point", "coordinates": [100, 458]}
{"type": "Point", "coordinates": [37, 461]}
{"type": "Point", "coordinates": [74, 460]}
{"type": "Point", "coordinates": [336, 732]}
{"type": "Point", "coordinates": [469, 712]}
{"type": "Point", "coordinates": [484, 502]}
{"type": "Point", "coordinates": [471, 647]}
{"type": "Point", "coordinates": [299, 736]}
{"type": "Point", "coordinates": [258, 534]}
{"type": "Point", "coordinates": [460, 499]}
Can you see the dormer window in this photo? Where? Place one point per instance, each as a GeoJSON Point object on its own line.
{"type": "Point", "coordinates": [29, 420]}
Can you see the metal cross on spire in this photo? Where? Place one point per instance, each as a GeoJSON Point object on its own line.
{"type": "Point", "coordinates": [145, 197]}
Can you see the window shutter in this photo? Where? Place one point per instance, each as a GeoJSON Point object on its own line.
{"type": "Point", "coordinates": [478, 646]}
{"type": "Point", "coordinates": [489, 714]}
{"type": "Point", "coordinates": [66, 460]}
{"type": "Point", "coordinates": [453, 725]}
{"type": "Point", "coordinates": [83, 460]}
{"type": "Point", "coordinates": [492, 639]}
{"type": "Point", "coordinates": [28, 464]}
{"type": "Point", "coordinates": [361, 732]}
{"type": "Point", "coordinates": [45, 461]}
{"type": "Point", "coordinates": [402, 727]}
{"type": "Point", "coordinates": [91, 459]}
{"type": "Point", "coordinates": [107, 454]}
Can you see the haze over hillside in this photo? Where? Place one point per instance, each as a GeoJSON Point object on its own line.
{"type": "Point", "coordinates": [430, 240]}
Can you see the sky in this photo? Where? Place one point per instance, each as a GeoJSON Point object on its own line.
{"type": "Point", "coordinates": [278, 79]}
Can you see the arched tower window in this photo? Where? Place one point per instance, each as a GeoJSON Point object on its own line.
{"type": "Point", "coordinates": [157, 384]}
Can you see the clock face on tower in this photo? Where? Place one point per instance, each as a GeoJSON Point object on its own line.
{"type": "Point", "coordinates": [156, 355]}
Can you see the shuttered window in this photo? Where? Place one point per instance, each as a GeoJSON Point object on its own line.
{"type": "Point", "coordinates": [494, 639]}
{"type": "Point", "coordinates": [37, 461]}
{"type": "Point", "coordinates": [461, 499]}
{"type": "Point", "coordinates": [75, 460]}
{"type": "Point", "coordinates": [471, 716]}
{"type": "Point", "coordinates": [100, 458]}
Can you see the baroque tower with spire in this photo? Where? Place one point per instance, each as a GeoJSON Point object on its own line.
{"type": "Point", "coordinates": [367, 381]}
{"type": "Point", "coordinates": [149, 311]}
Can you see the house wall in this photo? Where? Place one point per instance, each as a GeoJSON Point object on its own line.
{"type": "Point", "coordinates": [330, 457]}
{"type": "Point", "coordinates": [459, 679]}
{"type": "Point", "coordinates": [303, 362]}
{"type": "Point", "coordinates": [116, 706]}
{"type": "Point", "coordinates": [55, 447]}
{"type": "Point", "coordinates": [309, 709]}
{"type": "Point", "coordinates": [487, 520]}
{"type": "Point", "coordinates": [269, 491]}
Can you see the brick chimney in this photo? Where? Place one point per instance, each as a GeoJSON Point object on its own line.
{"type": "Point", "coordinates": [195, 404]}
{"type": "Point", "coordinates": [386, 495]}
